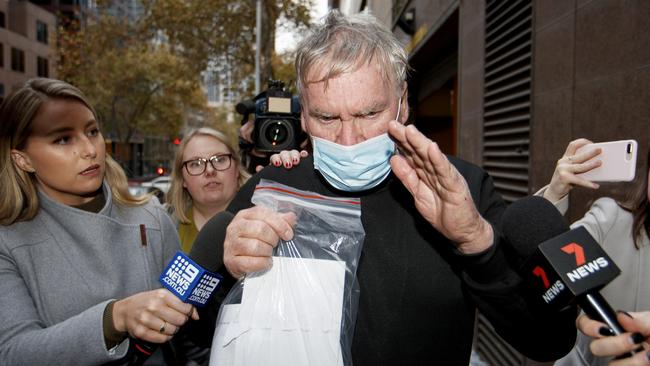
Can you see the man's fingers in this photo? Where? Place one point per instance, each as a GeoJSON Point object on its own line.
{"type": "Point", "coordinates": [424, 155]}
{"type": "Point", "coordinates": [258, 231]}
{"type": "Point", "coordinates": [246, 264]}
{"type": "Point", "coordinates": [254, 247]}
{"type": "Point", "coordinates": [416, 144]}
{"type": "Point", "coordinates": [415, 147]}
{"type": "Point", "coordinates": [251, 237]}
{"type": "Point", "coordinates": [404, 172]}
{"type": "Point", "coordinates": [265, 218]}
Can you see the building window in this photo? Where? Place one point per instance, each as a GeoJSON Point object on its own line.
{"type": "Point", "coordinates": [17, 60]}
{"type": "Point", "coordinates": [2, 19]}
{"type": "Point", "coordinates": [42, 67]}
{"type": "Point", "coordinates": [41, 32]}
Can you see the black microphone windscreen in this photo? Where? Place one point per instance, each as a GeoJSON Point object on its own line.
{"type": "Point", "coordinates": [207, 250]}
{"type": "Point", "coordinates": [530, 221]}
{"type": "Point", "coordinates": [245, 107]}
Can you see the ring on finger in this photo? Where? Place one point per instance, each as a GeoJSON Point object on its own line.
{"type": "Point", "coordinates": [162, 327]}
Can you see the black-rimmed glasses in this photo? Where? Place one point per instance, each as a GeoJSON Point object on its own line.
{"type": "Point", "coordinates": [198, 166]}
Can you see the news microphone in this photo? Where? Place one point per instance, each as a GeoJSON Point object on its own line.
{"type": "Point", "coordinates": [192, 279]}
{"type": "Point", "coordinates": [207, 249]}
{"type": "Point", "coordinates": [564, 266]}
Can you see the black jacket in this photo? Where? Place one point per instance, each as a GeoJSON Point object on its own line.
{"type": "Point", "coordinates": [418, 295]}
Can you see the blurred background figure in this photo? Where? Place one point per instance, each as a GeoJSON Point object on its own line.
{"type": "Point", "coordinates": [79, 256]}
{"type": "Point", "coordinates": [206, 174]}
{"type": "Point", "coordinates": [621, 228]}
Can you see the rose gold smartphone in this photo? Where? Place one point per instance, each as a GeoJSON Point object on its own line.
{"type": "Point", "coordinates": [619, 161]}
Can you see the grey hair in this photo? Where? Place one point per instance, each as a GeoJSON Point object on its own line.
{"type": "Point", "coordinates": [343, 43]}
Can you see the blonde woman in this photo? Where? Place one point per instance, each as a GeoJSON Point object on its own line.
{"type": "Point", "coordinates": [207, 173]}
{"type": "Point", "coordinates": [79, 256]}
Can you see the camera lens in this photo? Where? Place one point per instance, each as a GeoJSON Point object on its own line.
{"type": "Point", "coordinates": [276, 133]}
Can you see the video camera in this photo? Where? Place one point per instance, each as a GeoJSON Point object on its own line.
{"type": "Point", "coordinates": [277, 118]}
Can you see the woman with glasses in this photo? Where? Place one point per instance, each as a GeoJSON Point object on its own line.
{"type": "Point", "coordinates": [205, 177]}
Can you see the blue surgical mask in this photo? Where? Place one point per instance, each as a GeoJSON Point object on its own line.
{"type": "Point", "coordinates": [356, 167]}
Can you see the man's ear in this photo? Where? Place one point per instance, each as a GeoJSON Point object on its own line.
{"type": "Point", "coordinates": [22, 161]}
{"type": "Point", "coordinates": [303, 124]}
{"type": "Point", "coordinates": [404, 113]}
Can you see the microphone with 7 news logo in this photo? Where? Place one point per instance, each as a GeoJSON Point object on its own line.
{"type": "Point", "coordinates": [574, 267]}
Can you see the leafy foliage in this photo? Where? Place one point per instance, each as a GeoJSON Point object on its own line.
{"type": "Point", "coordinates": [135, 85]}
{"type": "Point", "coordinates": [223, 30]}
{"type": "Point", "coordinates": [143, 76]}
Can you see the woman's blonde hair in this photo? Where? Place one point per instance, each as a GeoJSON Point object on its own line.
{"type": "Point", "coordinates": [178, 197]}
{"type": "Point", "coordinates": [17, 187]}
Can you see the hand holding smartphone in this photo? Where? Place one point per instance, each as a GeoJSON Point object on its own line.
{"type": "Point", "coordinates": [618, 161]}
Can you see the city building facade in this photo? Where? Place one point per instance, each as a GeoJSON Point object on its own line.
{"type": "Point", "coordinates": [27, 44]}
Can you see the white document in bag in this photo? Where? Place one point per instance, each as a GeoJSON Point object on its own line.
{"type": "Point", "coordinates": [289, 315]}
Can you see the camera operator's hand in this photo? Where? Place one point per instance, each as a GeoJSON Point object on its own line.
{"type": "Point", "coordinates": [246, 131]}
{"type": "Point", "coordinates": [286, 158]}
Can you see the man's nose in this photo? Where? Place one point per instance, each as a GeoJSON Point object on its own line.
{"type": "Point", "coordinates": [348, 134]}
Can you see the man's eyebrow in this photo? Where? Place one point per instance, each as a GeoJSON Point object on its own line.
{"type": "Point", "coordinates": [377, 106]}
{"type": "Point", "coordinates": [317, 113]}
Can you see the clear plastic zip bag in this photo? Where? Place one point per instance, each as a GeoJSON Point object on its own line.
{"type": "Point", "coordinates": [302, 311]}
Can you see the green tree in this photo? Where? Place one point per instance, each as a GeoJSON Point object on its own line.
{"type": "Point", "coordinates": [134, 83]}
{"type": "Point", "coordinates": [224, 31]}
{"type": "Point", "coordinates": [144, 76]}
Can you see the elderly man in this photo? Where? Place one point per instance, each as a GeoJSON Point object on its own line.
{"type": "Point", "coordinates": [431, 254]}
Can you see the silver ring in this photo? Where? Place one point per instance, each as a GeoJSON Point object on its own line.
{"type": "Point", "coordinates": [162, 327]}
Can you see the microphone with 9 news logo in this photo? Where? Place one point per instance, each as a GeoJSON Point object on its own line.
{"type": "Point", "coordinates": [189, 282]}
{"type": "Point", "coordinates": [563, 266]}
